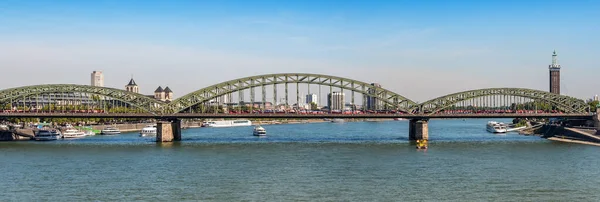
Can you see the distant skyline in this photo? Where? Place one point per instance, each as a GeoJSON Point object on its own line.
{"type": "Point", "coordinates": [419, 49]}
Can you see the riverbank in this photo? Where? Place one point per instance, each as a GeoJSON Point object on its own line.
{"type": "Point", "coordinates": [571, 134]}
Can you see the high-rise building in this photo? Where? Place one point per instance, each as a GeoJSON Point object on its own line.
{"type": "Point", "coordinates": [335, 101]}
{"type": "Point", "coordinates": [596, 98]}
{"type": "Point", "coordinates": [132, 86]}
{"type": "Point", "coordinates": [554, 74]}
{"type": "Point", "coordinates": [374, 103]}
{"type": "Point", "coordinates": [310, 98]}
{"type": "Point", "coordinates": [97, 79]}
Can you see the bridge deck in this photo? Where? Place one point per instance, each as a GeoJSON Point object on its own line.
{"type": "Point", "coordinates": [299, 116]}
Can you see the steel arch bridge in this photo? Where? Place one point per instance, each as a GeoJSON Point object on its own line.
{"type": "Point", "coordinates": [566, 103]}
{"type": "Point", "coordinates": [136, 100]}
{"type": "Point", "coordinates": [388, 98]}
{"type": "Point", "coordinates": [391, 99]}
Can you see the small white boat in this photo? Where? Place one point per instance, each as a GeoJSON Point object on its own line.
{"type": "Point", "coordinates": [110, 131]}
{"type": "Point", "coordinates": [148, 131]}
{"type": "Point", "coordinates": [231, 123]}
{"type": "Point", "coordinates": [47, 135]}
{"type": "Point", "coordinates": [73, 133]}
{"type": "Point", "coordinates": [259, 131]}
{"type": "Point", "coordinates": [89, 133]}
{"type": "Point", "coordinates": [496, 127]}
{"type": "Point", "coordinates": [337, 120]}
{"type": "Point", "coordinates": [3, 127]}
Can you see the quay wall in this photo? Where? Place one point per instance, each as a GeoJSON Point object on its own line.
{"type": "Point", "coordinates": [6, 135]}
{"type": "Point", "coordinates": [554, 132]}
{"type": "Point", "coordinates": [134, 127]}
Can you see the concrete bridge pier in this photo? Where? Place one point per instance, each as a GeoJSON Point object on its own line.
{"type": "Point", "coordinates": [418, 129]}
{"type": "Point", "coordinates": [168, 131]}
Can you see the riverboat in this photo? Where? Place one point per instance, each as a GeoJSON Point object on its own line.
{"type": "Point", "coordinates": [496, 127]}
{"type": "Point", "coordinates": [47, 135]}
{"type": "Point", "coordinates": [259, 131]}
{"type": "Point", "coordinates": [229, 123]}
{"type": "Point", "coordinates": [149, 130]}
{"type": "Point", "coordinates": [73, 133]}
{"type": "Point", "coordinates": [110, 131]}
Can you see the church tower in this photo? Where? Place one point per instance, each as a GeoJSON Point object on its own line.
{"type": "Point", "coordinates": [132, 86]}
{"type": "Point", "coordinates": [554, 74]}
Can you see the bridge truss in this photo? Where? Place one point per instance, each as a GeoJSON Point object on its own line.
{"type": "Point", "coordinates": [75, 98]}
{"type": "Point", "coordinates": [272, 82]}
{"type": "Point", "coordinates": [256, 92]}
{"type": "Point", "coordinates": [502, 100]}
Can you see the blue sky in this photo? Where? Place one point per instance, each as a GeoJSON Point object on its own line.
{"type": "Point", "coordinates": [420, 49]}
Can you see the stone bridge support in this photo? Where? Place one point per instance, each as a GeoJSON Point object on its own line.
{"type": "Point", "coordinates": [168, 131]}
{"type": "Point", "coordinates": [418, 129]}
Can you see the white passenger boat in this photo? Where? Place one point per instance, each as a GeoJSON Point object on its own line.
{"type": "Point", "coordinates": [110, 131]}
{"type": "Point", "coordinates": [89, 133]}
{"type": "Point", "coordinates": [228, 123]}
{"type": "Point", "coordinates": [496, 127]}
{"type": "Point", "coordinates": [47, 135]}
{"type": "Point", "coordinates": [148, 131]}
{"type": "Point", "coordinates": [259, 131]}
{"type": "Point", "coordinates": [73, 133]}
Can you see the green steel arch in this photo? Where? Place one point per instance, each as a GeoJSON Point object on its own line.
{"type": "Point", "coordinates": [566, 103]}
{"type": "Point", "coordinates": [134, 99]}
{"type": "Point", "coordinates": [205, 94]}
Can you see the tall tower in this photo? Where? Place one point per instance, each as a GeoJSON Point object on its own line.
{"type": "Point", "coordinates": [372, 102]}
{"type": "Point", "coordinates": [97, 79]}
{"type": "Point", "coordinates": [335, 100]}
{"type": "Point", "coordinates": [159, 94]}
{"type": "Point", "coordinates": [132, 86]}
{"type": "Point", "coordinates": [168, 94]}
{"type": "Point", "coordinates": [554, 74]}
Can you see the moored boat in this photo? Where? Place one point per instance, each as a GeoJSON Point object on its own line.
{"type": "Point", "coordinates": [73, 133]}
{"type": "Point", "coordinates": [47, 135]}
{"type": "Point", "coordinates": [228, 123]}
{"type": "Point", "coordinates": [110, 131]}
{"type": "Point", "coordinates": [259, 131]}
{"type": "Point", "coordinates": [496, 127]}
{"type": "Point", "coordinates": [89, 133]}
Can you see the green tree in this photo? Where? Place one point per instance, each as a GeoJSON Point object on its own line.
{"type": "Point", "coordinates": [593, 105]}
{"type": "Point", "coordinates": [313, 106]}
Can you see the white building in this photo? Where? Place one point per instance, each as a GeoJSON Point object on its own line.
{"type": "Point", "coordinates": [310, 98]}
{"type": "Point", "coordinates": [335, 101]}
{"type": "Point", "coordinates": [596, 98]}
{"type": "Point", "coordinates": [97, 79]}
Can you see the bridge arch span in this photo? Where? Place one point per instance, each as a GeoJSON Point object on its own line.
{"type": "Point", "coordinates": [85, 92]}
{"type": "Point", "coordinates": [203, 95]}
{"type": "Point", "coordinates": [564, 103]}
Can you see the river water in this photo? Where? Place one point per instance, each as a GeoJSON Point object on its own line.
{"type": "Point", "coordinates": [354, 161]}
